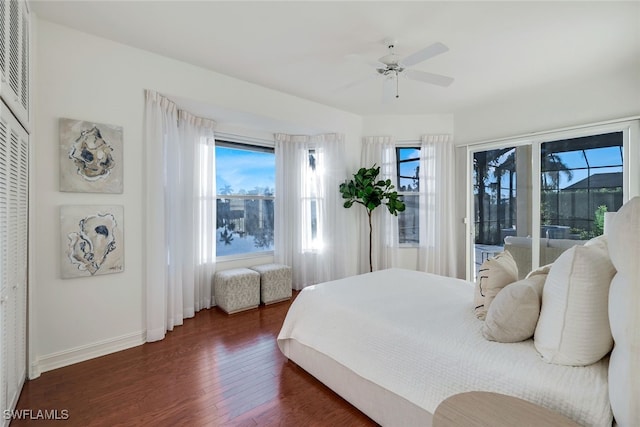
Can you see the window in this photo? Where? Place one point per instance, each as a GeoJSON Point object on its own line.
{"type": "Point", "coordinates": [495, 195]}
{"type": "Point", "coordinates": [313, 199]}
{"type": "Point", "coordinates": [500, 201]}
{"type": "Point", "coordinates": [581, 179]}
{"type": "Point", "coordinates": [245, 177]}
{"type": "Point", "coordinates": [537, 196]}
{"type": "Point", "coordinates": [408, 168]}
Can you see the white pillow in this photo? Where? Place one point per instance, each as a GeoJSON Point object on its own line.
{"type": "Point", "coordinates": [513, 314]}
{"type": "Point", "coordinates": [573, 328]}
{"type": "Point", "coordinates": [601, 242]}
{"type": "Point", "coordinates": [623, 232]}
{"type": "Point", "coordinates": [544, 270]}
{"type": "Point", "coordinates": [494, 274]}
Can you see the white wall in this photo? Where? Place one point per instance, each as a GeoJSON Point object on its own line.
{"type": "Point", "coordinates": [85, 77]}
{"type": "Point", "coordinates": [565, 103]}
{"type": "Point", "coordinates": [614, 94]}
{"type": "Point", "coordinates": [407, 127]}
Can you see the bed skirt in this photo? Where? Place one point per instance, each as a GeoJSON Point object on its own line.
{"type": "Point", "coordinates": [381, 405]}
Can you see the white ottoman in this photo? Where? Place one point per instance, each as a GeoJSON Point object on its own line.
{"type": "Point", "coordinates": [275, 282]}
{"type": "Point", "coordinates": [236, 289]}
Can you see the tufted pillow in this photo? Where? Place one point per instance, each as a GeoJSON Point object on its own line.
{"type": "Point", "coordinates": [623, 232]}
{"type": "Point", "coordinates": [494, 274]}
{"type": "Point", "coordinates": [513, 314]}
{"type": "Point", "coordinates": [573, 328]}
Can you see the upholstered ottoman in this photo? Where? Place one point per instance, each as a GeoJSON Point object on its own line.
{"type": "Point", "coordinates": [275, 282]}
{"type": "Point", "coordinates": [236, 289]}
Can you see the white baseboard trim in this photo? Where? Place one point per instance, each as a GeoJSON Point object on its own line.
{"type": "Point", "coordinates": [85, 352]}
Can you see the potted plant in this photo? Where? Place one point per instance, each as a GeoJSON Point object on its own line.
{"type": "Point", "coordinates": [366, 190]}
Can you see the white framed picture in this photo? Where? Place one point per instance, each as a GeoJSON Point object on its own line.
{"type": "Point", "coordinates": [92, 240]}
{"type": "Point", "coordinates": [90, 157]}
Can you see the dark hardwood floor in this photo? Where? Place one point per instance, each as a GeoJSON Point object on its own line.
{"type": "Point", "coordinates": [215, 370]}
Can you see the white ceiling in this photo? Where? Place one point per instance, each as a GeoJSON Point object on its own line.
{"type": "Point", "coordinates": [306, 48]}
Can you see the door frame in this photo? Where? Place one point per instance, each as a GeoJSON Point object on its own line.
{"type": "Point", "coordinates": [630, 128]}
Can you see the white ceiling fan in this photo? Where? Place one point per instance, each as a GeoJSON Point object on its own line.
{"type": "Point", "coordinates": [391, 66]}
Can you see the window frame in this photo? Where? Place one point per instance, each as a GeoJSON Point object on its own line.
{"type": "Point", "coordinates": [247, 144]}
{"type": "Point", "coordinates": [630, 128]}
{"type": "Point", "coordinates": [314, 202]}
{"type": "Point", "coordinates": [413, 145]}
{"type": "Point", "coordinates": [608, 135]}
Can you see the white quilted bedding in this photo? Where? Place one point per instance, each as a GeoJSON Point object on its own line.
{"type": "Point", "coordinates": [415, 334]}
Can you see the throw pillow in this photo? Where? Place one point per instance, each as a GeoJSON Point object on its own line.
{"type": "Point", "coordinates": [494, 274]}
{"type": "Point", "coordinates": [573, 328]}
{"type": "Point", "coordinates": [544, 270]}
{"type": "Point", "coordinates": [513, 314]}
{"type": "Point", "coordinates": [624, 296]}
{"type": "Point", "coordinates": [600, 241]}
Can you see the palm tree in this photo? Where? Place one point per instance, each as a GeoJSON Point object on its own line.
{"type": "Point", "coordinates": [552, 166]}
{"type": "Point", "coordinates": [226, 190]}
{"type": "Point", "coordinates": [226, 236]}
{"type": "Point", "coordinates": [494, 163]}
{"type": "Point", "coordinates": [483, 161]}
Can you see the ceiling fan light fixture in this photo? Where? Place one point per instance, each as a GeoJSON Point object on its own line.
{"type": "Point", "coordinates": [390, 60]}
{"type": "Point", "coordinates": [394, 66]}
{"type": "Point", "coordinates": [389, 71]}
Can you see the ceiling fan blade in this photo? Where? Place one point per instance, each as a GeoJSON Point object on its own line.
{"type": "Point", "coordinates": [423, 76]}
{"type": "Point", "coordinates": [424, 54]}
{"type": "Point", "coordinates": [388, 89]}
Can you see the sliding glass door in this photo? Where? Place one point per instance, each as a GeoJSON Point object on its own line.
{"type": "Point", "coordinates": [581, 179]}
{"type": "Point", "coordinates": [501, 201]}
{"type": "Point", "coordinates": [538, 196]}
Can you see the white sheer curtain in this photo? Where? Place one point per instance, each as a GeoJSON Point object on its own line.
{"type": "Point", "coordinates": [161, 128]}
{"type": "Point", "coordinates": [332, 223]}
{"type": "Point", "coordinates": [381, 151]}
{"type": "Point", "coordinates": [309, 231]}
{"type": "Point", "coordinates": [437, 204]}
{"type": "Point", "coordinates": [198, 194]}
{"type": "Point", "coordinates": [178, 282]}
{"type": "Point", "coordinates": [292, 214]}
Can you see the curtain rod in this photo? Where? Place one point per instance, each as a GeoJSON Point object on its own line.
{"type": "Point", "coordinates": [231, 137]}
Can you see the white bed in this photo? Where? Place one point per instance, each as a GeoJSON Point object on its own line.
{"type": "Point", "coordinates": [423, 343]}
{"type": "Point", "coordinates": [396, 343]}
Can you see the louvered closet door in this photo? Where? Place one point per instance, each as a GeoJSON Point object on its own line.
{"type": "Point", "coordinates": [14, 174]}
{"type": "Point", "coordinates": [14, 57]}
{"type": "Point", "coordinates": [4, 261]}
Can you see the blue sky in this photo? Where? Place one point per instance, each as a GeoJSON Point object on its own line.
{"type": "Point", "coordinates": [409, 153]}
{"type": "Point", "coordinates": [600, 160]}
{"type": "Point", "coordinates": [597, 157]}
{"type": "Point", "coordinates": [244, 169]}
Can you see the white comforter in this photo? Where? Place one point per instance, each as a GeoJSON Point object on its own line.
{"type": "Point", "coordinates": [415, 334]}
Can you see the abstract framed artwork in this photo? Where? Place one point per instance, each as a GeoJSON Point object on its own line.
{"type": "Point", "coordinates": [92, 241]}
{"type": "Point", "coordinates": [90, 157]}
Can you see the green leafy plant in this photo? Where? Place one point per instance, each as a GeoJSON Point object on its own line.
{"type": "Point", "coordinates": [598, 224]}
{"type": "Point", "coordinates": [365, 189]}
